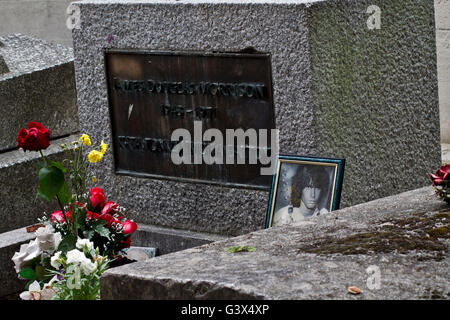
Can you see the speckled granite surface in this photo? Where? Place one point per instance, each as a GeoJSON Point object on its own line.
{"type": "Point", "coordinates": [406, 237]}
{"type": "Point", "coordinates": [40, 86]}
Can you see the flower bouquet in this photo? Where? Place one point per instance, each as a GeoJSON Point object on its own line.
{"type": "Point", "coordinates": [441, 182]}
{"type": "Point", "coordinates": [77, 243]}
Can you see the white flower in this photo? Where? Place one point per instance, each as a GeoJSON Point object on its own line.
{"type": "Point", "coordinates": [47, 238]}
{"type": "Point", "coordinates": [54, 261]}
{"type": "Point", "coordinates": [77, 258]}
{"type": "Point", "coordinates": [35, 293]}
{"type": "Point", "coordinates": [27, 253]}
{"type": "Point", "coordinates": [81, 243]}
{"type": "Point", "coordinates": [88, 267]}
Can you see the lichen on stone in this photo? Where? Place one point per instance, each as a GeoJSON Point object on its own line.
{"type": "Point", "coordinates": [421, 232]}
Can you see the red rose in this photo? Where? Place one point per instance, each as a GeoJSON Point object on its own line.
{"type": "Point", "coordinates": [129, 227]}
{"type": "Point", "coordinates": [442, 174]}
{"type": "Point", "coordinates": [58, 216]}
{"type": "Point", "coordinates": [110, 207]}
{"type": "Point", "coordinates": [36, 138]}
{"type": "Point", "coordinates": [97, 197]}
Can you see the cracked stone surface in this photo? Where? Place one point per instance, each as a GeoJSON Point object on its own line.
{"type": "Point", "coordinates": [411, 264]}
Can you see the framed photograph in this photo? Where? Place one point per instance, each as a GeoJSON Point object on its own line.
{"type": "Point", "coordinates": [303, 187]}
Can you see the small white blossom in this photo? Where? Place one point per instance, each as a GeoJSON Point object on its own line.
{"type": "Point", "coordinates": [75, 256]}
{"type": "Point", "coordinates": [88, 267]}
{"type": "Point", "coordinates": [35, 293]}
{"type": "Point", "coordinates": [81, 243]}
{"type": "Point", "coordinates": [54, 261]}
{"type": "Point", "coordinates": [78, 259]}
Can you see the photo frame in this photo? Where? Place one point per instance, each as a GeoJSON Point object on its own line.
{"type": "Point", "coordinates": [304, 186]}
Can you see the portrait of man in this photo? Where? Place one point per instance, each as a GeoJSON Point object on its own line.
{"type": "Point", "coordinates": [303, 189]}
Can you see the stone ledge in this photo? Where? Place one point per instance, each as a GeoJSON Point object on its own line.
{"type": "Point", "coordinates": [19, 185]}
{"type": "Point", "coordinates": [40, 87]}
{"type": "Point", "coordinates": [285, 267]}
{"type": "Point", "coordinates": [164, 239]}
{"type": "Point", "coordinates": [10, 243]}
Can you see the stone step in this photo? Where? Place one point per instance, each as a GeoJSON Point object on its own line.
{"type": "Point", "coordinates": [165, 240]}
{"type": "Point", "coordinates": [37, 83]}
{"type": "Point", "coordinates": [396, 240]}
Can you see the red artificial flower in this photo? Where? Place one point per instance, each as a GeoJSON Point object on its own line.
{"type": "Point", "coordinates": [91, 215]}
{"type": "Point", "coordinates": [110, 207]}
{"type": "Point", "coordinates": [129, 227]}
{"type": "Point", "coordinates": [36, 138]}
{"type": "Point", "coordinates": [58, 216]}
{"type": "Point", "coordinates": [442, 174]}
{"type": "Point", "coordinates": [97, 197]}
{"type": "Point", "coordinates": [109, 218]}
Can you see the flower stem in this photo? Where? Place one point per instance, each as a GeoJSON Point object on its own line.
{"type": "Point", "coordinates": [43, 158]}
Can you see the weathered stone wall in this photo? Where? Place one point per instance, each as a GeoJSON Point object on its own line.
{"type": "Point", "coordinates": [375, 94]}
{"type": "Point", "coordinates": [44, 19]}
{"type": "Point", "coordinates": [317, 114]}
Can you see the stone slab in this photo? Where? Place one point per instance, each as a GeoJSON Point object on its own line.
{"type": "Point", "coordinates": [10, 243]}
{"type": "Point", "coordinates": [405, 236]}
{"type": "Point", "coordinates": [150, 239]}
{"type": "Point", "coordinates": [442, 10]}
{"type": "Point", "coordinates": [443, 62]}
{"type": "Point", "coordinates": [168, 240]}
{"type": "Point", "coordinates": [340, 90]}
{"type": "Point", "coordinates": [19, 184]}
{"type": "Point", "coordinates": [39, 87]}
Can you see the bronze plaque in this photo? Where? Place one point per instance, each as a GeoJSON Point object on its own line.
{"type": "Point", "coordinates": [153, 93]}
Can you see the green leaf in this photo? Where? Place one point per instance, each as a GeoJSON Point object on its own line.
{"type": "Point", "coordinates": [64, 194]}
{"type": "Point", "coordinates": [88, 234]}
{"type": "Point", "coordinates": [57, 165]}
{"type": "Point", "coordinates": [234, 249]}
{"type": "Point", "coordinates": [28, 273]}
{"type": "Point", "coordinates": [101, 230]}
{"type": "Point", "coordinates": [68, 243]}
{"type": "Point", "coordinates": [51, 180]}
{"type": "Point", "coordinates": [40, 165]}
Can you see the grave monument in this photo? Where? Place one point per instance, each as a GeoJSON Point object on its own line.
{"type": "Point", "coordinates": [339, 79]}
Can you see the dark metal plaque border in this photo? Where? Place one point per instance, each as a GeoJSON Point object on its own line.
{"type": "Point", "coordinates": [237, 54]}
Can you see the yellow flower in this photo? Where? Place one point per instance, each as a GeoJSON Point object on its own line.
{"type": "Point", "coordinates": [95, 156]}
{"type": "Point", "coordinates": [85, 140]}
{"type": "Point", "coordinates": [103, 147]}
{"type": "Point", "coordinates": [94, 179]}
